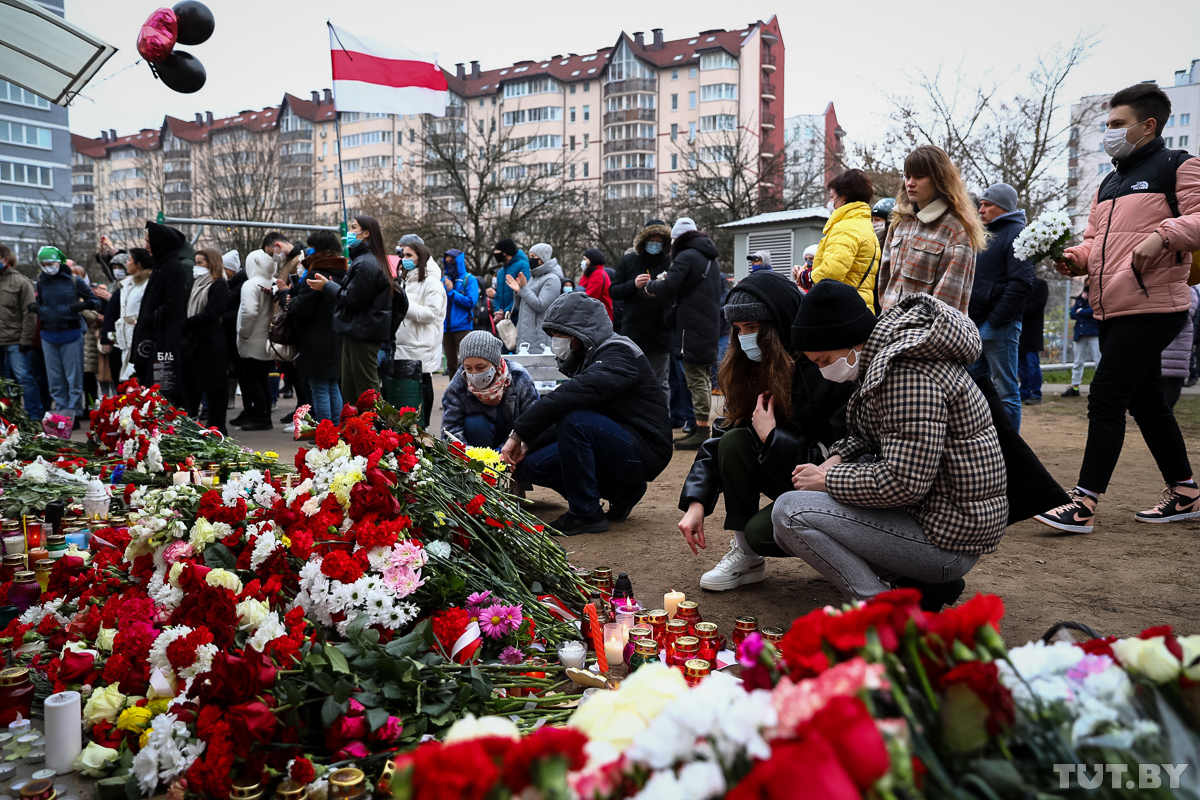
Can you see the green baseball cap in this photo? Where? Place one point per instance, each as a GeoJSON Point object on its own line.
{"type": "Point", "coordinates": [49, 254]}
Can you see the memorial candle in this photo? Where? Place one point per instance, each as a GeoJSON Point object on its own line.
{"type": "Point", "coordinates": [671, 601]}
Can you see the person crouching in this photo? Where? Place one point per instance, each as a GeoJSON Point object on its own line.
{"type": "Point", "coordinates": [486, 394]}
{"type": "Point", "coordinates": [916, 491]}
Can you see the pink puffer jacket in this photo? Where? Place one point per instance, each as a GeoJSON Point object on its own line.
{"type": "Point", "coordinates": [1107, 249]}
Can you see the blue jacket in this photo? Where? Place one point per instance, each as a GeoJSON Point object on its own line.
{"type": "Point", "coordinates": [461, 300]}
{"type": "Point", "coordinates": [60, 298]}
{"type": "Point", "coordinates": [504, 295]}
{"type": "Point", "coordinates": [1085, 323]}
{"type": "Point", "coordinates": [1002, 281]}
{"type": "Point", "coordinates": [458, 402]}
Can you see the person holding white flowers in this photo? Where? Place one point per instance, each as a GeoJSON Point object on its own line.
{"type": "Point", "coordinates": [1002, 282]}
{"type": "Point", "coordinates": [1143, 225]}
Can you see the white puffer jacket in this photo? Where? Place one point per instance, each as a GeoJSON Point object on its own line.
{"type": "Point", "coordinates": [257, 308]}
{"type": "Point", "coordinates": [419, 337]}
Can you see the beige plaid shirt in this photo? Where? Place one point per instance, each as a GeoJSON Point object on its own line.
{"type": "Point", "coordinates": [928, 253]}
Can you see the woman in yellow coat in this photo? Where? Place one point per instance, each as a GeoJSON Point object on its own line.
{"type": "Point", "coordinates": [849, 251]}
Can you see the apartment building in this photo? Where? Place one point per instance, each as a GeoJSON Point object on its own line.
{"type": "Point", "coordinates": [1088, 163]}
{"type": "Point", "coordinates": [35, 156]}
{"type": "Point", "coordinates": [626, 122]}
{"type": "Point", "coordinates": [814, 152]}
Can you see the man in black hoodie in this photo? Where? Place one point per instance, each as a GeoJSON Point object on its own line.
{"type": "Point", "coordinates": [642, 317]}
{"type": "Point", "coordinates": [692, 284]}
{"type": "Point", "coordinates": [156, 337]}
{"type": "Point", "coordinates": [602, 434]}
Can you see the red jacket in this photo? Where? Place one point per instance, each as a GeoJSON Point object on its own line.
{"type": "Point", "coordinates": [596, 285]}
{"type": "Point", "coordinates": [1132, 207]}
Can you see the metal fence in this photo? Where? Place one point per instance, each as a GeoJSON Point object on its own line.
{"type": "Point", "coordinates": [1058, 329]}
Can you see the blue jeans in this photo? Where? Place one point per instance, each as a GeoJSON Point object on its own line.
{"type": "Point", "coordinates": [13, 361]}
{"type": "Point", "coordinates": [585, 462]}
{"type": "Point", "coordinates": [479, 431]}
{"type": "Point", "coordinates": [64, 370]}
{"type": "Point", "coordinates": [722, 346]}
{"type": "Point", "coordinates": [326, 400]}
{"type": "Point", "coordinates": [1031, 375]}
{"type": "Point", "coordinates": [999, 362]}
{"type": "Point", "coordinates": [681, 398]}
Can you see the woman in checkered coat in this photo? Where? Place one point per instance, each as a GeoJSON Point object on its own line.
{"type": "Point", "coordinates": [916, 492]}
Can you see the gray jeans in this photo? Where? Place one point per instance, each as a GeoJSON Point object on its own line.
{"type": "Point", "coordinates": [661, 364]}
{"type": "Point", "coordinates": [853, 546]}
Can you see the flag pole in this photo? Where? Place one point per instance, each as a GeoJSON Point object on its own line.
{"type": "Point", "coordinates": [337, 132]}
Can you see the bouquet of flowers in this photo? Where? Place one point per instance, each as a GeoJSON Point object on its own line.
{"type": "Point", "coordinates": [1046, 237]}
{"type": "Point", "coordinates": [57, 425]}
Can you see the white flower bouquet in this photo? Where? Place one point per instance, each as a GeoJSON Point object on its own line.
{"type": "Point", "coordinates": [1046, 237]}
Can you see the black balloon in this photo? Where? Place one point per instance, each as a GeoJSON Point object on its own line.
{"type": "Point", "coordinates": [182, 72]}
{"type": "Point", "coordinates": [196, 22]}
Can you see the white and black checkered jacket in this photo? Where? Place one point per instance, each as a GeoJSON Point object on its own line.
{"type": "Point", "coordinates": [929, 427]}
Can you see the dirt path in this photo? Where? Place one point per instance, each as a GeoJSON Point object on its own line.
{"type": "Point", "coordinates": [1120, 579]}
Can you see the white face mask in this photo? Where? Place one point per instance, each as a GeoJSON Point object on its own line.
{"type": "Point", "coordinates": [119, 274]}
{"type": "Point", "coordinates": [561, 348]}
{"type": "Point", "coordinates": [583, 265]}
{"type": "Point", "coordinates": [50, 269]}
{"type": "Point", "coordinates": [278, 257]}
{"type": "Point", "coordinates": [481, 380]}
{"type": "Point", "coordinates": [880, 227]}
{"type": "Point", "coordinates": [842, 370]}
{"type": "Point", "coordinates": [1117, 144]}
{"type": "Point", "coordinates": [749, 345]}
{"type": "Point", "coordinates": [199, 272]}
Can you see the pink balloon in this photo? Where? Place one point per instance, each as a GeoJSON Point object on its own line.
{"type": "Point", "coordinates": [158, 35]}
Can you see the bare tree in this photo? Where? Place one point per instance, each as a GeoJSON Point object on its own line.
{"type": "Point", "coordinates": [239, 176]}
{"type": "Point", "coordinates": [69, 232]}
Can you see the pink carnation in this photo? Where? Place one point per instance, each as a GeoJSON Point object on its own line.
{"type": "Point", "coordinates": [797, 703]}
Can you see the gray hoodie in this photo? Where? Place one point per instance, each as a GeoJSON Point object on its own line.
{"type": "Point", "coordinates": [532, 302]}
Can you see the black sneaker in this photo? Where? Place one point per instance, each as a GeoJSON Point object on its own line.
{"type": "Point", "coordinates": [237, 421]}
{"type": "Point", "coordinates": [570, 525]}
{"type": "Point", "coordinates": [1033, 401]}
{"type": "Point", "coordinates": [620, 506]}
{"type": "Point", "coordinates": [257, 426]}
{"type": "Point", "coordinates": [934, 596]}
{"type": "Point", "coordinates": [1072, 391]}
{"type": "Point", "coordinates": [1177, 503]}
{"type": "Point", "coordinates": [286, 418]}
{"type": "Point", "coordinates": [1073, 517]}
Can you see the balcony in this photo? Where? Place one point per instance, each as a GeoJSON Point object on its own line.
{"type": "Point", "coordinates": [302, 135]}
{"type": "Point", "coordinates": [634, 174]}
{"type": "Point", "coordinates": [178, 175]}
{"type": "Point", "coordinates": [296, 183]}
{"type": "Point", "coordinates": [768, 91]}
{"type": "Point", "coordinates": [172, 197]}
{"type": "Point", "coordinates": [82, 169]}
{"type": "Point", "coordinates": [768, 62]}
{"type": "Point", "coordinates": [631, 85]}
{"type": "Point", "coordinates": [768, 120]}
{"type": "Point", "coordinates": [628, 145]}
{"type": "Point", "coordinates": [440, 191]}
{"type": "Point", "coordinates": [83, 187]}
{"type": "Point", "coordinates": [766, 149]}
{"type": "Point", "coordinates": [457, 112]}
{"type": "Point", "coordinates": [630, 115]}
{"type": "Point", "coordinates": [296, 158]}
{"type": "Point", "coordinates": [80, 207]}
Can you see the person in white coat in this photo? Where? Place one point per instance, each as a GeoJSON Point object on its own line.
{"type": "Point", "coordinates": [132, 287]}
{"type": "Point", "coordinates": [253, 326]}
{"type": "Point", "coordinates": [419, 337]}
{"type": "Point", "coordinates": [535, 296]}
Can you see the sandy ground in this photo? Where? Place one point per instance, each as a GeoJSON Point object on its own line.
{"type": "Point", "coordinates": [1121, 578]}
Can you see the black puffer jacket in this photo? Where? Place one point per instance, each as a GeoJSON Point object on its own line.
{"type": "Point", "coordinates": [364, 301]}
{"type": "Point", "coordinates": [611, 377]}
{"type": "Point", "coordinates": [693, 283]}
{"type": "Point", "coordinates": [818, 406]}
{"type": "Point", "coordinates": [159, 326]}
{"type": "Point", "coordinates": [642, 315]}
{"type": "Point", "coordinates": [312, 311]}
{"type": "Point", "coordinates": [203, 347]}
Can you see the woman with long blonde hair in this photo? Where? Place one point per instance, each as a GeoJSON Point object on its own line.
{"type": "Point", "coordinates": [935, 234]}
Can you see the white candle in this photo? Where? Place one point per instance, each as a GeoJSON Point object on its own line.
{"type": "Point", "coordinates": [614, 644]}
{"type": "Point", "coordinates": [572, 654]}
{"type": "Point", "coordinates": [671, 601]}
{"type": "Point", "coordinates": [181, 477]}
{"type": "Point", "coordinates": [64, 731]}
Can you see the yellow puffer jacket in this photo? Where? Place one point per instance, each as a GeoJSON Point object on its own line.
{"type": "Point", "coordinates": [849, 251]}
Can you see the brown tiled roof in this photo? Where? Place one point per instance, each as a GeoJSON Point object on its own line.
{"type": "Point", "coordinates": [572, 68]}
{"type": "Point", "coordinates": [307, 109]}
{"type": "Point", "coordinates": [145, 139]}
{"type": "Point", "coordinates": [95, 148]}
{"type": "Point", "coordinates": [254, 121]}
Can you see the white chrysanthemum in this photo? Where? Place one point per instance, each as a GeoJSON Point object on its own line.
{"type": "Point", "coordinates": [264, 546]}
{"type": "Point", "coordinates": [163, 593]}
{"type": "Point", "coordinates": [270, 630]}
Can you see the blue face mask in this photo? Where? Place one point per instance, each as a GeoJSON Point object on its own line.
{"type": "Point", "coordinates": [654, 248]}
{"type": "Point", "coordinates": [309, 251]}
{"type": "Point", "coordinates": [351, 239]}
{"type": "Point", "coordinates": [303, 275]}
{"type": "Point", "coordinates": [567, 289]}
{"type": "Point", "coordinates": [409, 263]}
{"type": "Point", "coordinates": [749, 344]}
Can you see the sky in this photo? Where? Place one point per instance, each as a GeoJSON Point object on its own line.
{"type": "Point", "coordinates": [856, 55]}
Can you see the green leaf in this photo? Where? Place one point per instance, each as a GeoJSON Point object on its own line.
{"type": "Point", "coordinates": [376, 718]}
{"type": "Point", "coordinates": [405, 646]}
{"type": "Point", "coordinates": [342, 690]}
{"type": "Point", "coordinates": [391, 691]}
{"type": "Point", "coordinates": [368, 699]}
{"type": "Point", "coordinates": [354, 629]}
{"type": "Point", "coordinates": [371, 636]}
{"type": "Point", "coordinates": [337, 660]}
{"type": "Point", "coordinates": [481, 685]}
{"type": "Point", "coordinates": [330, 710]}
{"type": "Point", "coordinates": [323, 681]}
{"type": "Point", "coordinates": [315, 659]}
{"type": "Point", "coordinates": [132, 790]}
{"type": "Point", "coordinates": [218, 556]}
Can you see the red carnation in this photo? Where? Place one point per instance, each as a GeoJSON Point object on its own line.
{"type": "Point", "coordinates": [327, 435]}
{"type": "Point", "coordinates": [449, 624]}
{"type": "Point", "coordinates": [302, 771]}
{"type": "Point", "coordinates": [544, 744]}
{"type": "Point", "coordinates": [983, 678]}
{"type": "Point", "coordinates": [341, 566]}
{"type": "Point", "coordinates": [367, 400]}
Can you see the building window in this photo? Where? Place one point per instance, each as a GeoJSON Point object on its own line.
{"type": "Point", "coordinates": [29, 174]}
{"type": "Point", "coordinates": [26, 214]}
{"type": "Point", "coordinates": [674, 161]}
{"type": "Point", "coordinates": [1170, 122]}
{"type": "Point", "coordinates": [622, 102]}
{"type": "Point", "coordinates": [291, 123]}
{"type": "Point", "coordinates": [1104, 169]}
{"type": "Point", "coordinates": [587, 87]}
{"type": "Point", "coordinates": [532, 115]}
{"type": "Point", "coordinates": [692, 72]}
{"type": "Point", "coordinates": [481, 102]}
{"type": "Point", "coordinates": [1170, 141]}
{"type": "Point", "coordinates": [674, 191]}
{"type": "Point", "coordinates": [718, 91]}
{"type": "Point", "coordinates": [691, 131]}
{"type": "Point", "coordinates": [718, 60]}
{"type": "Point", "coordinates": [370, 137]}
{"type": "Point", "coordinates": [572, 172]}
{"type": "Point", "coordinates": [572, 143]}
{"type": "Point", "coordinates": [11, 93]}
{"type": "Point", "coordinates": [674, 102]}
{"type": "Point", "coordinates": [674, 74]}
{"type": "Point", "coordinates": [714, 154]}
{"type": "Point", "coordinates": [1183, 141]}
{"type": "Point", "coordinates": [718, 122]}
{"type": "Point", "coordinates": [691, 99]}
{"type": "Point", "coordinates": [572, 88]}
{"type": "Point", "coordinates": [587, 113]}
{"type": "Point", "coordinates": [479, 125]}
{"type": "Point", "coordinates": [25, 135]}
{"type": "Point", "coordinates": [535, 86]}
{"type": "Point", "coordinates": [585, 169]}
{"type": "Point", "coordinates": [674, 131]}
{"type": "Point", "coordinates": [585, 141]}
{"type": "Point", "coordinates": [1185, 119]}
{"type": "Point", "coordinates": [572, 113]}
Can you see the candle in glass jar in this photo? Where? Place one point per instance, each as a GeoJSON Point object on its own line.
{"type": "Point", "coordinates": [572, 654]}
{"type": "Point", "coordinates": [671, 601]}
{"type": "Point", "coordinates": [614, 643]}
{"type": "Point", "coordinates": [180, 478]}
{"type": "Point", "coordinates": [636, 633]}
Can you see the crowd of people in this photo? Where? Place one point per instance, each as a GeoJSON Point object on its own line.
{"type": "Point", "coordinates": [872, 394]}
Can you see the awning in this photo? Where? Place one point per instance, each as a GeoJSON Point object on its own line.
{"type": "Point", "coordinates": [42, 52]}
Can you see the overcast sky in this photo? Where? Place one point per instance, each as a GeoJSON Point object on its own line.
{"type": "Point", "coordinates": [851, 53]}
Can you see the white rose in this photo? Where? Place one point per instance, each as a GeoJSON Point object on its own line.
{"type": "Point", "coordinates": [470, 727]}
{"type": "Point", "coordinates": [1191, 652]}
{"type": "Point", "coordinates": [251, 613]}
{"type": "Point", "coordinates": [1150, 657]}
{"type": "Point", "coordinates": [105, 703]}
{"type": "Point", "coordinates": [225, 579]}
{"type": "Point", "coordinates": [95, 760]}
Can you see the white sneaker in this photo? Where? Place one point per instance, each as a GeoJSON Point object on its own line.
{"type": "Point", "coordinates": [289, 428]}
{"type": "Point", "coordinates": [735, 568]}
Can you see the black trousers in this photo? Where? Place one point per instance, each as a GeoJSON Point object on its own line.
{"type": "Point", "coordinates": [213, 382]}
{"type": "Point", "coordinates": [256, 393]}
{"type": "Point", "coordinates": [1129, 378]}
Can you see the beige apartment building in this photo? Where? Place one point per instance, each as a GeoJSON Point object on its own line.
{"type": "Point", "coordinates": [626, 122]}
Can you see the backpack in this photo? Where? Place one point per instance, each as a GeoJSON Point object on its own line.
{"type": "Point", "coordinates": [1171, 163]}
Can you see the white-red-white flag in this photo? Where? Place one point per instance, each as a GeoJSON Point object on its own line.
{"type": "Point", "coordinates": [376, 76]}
